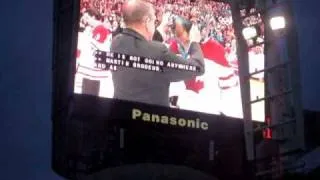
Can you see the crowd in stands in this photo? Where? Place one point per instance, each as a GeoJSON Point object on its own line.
{"type": "Point", "coordinates": [213, 18]}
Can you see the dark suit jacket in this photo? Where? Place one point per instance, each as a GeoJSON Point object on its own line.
{"type": "Point", "coordinates": [146, 86]}
{"type": "Point", "coordinates": [156, 37]}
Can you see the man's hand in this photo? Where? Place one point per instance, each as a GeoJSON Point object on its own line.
{"type": "Point", "coordinates": [195, 35]}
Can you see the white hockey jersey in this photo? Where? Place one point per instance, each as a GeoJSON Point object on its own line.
{"type": "Point", "coordinates": [88, 42]}
{"type": "Point", "coordinates": [217, 91]}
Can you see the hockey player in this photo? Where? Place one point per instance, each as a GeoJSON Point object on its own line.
{"type": "Point", "coordinates": [89, 79]}
{"type": "Point", "coordinates": [226, 85]}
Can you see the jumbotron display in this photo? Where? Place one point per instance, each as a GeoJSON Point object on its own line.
{"type": "Point", "coordinates": [213, 88]}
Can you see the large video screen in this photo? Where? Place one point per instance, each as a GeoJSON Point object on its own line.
{"type": "Point", "coordinates": [216, 91]}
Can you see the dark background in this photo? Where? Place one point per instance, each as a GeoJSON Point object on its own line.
{"type": "Point", "coordinates": [25, 82]}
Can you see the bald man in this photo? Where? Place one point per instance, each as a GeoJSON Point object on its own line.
{"type": "Point", "coordinates": [146, 86]}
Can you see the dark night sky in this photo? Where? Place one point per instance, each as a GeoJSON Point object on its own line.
{"type": "Point", "coordinates": [25, 82]}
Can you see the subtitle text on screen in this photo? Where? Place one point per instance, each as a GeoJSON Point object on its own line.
{"type": "Point", "coordinates": [111, 60]}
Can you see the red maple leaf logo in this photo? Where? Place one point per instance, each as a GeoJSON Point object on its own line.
{"type": "Point", "coordinates": [194, 85]}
